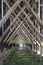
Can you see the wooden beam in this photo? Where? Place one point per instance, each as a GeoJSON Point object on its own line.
{"type": "Point", "coordinates": [14, 32]}
{"type": "Point", "coordinates": [34, 14]}
{"type": "Point", "coordinates": [28, 35]}
{"type": "Point", "coordinates": [31, 35]}
{"type": "Point", "coordinates": [11, 40]}
{"type": "Point", "coordinates": [4, 34]}
{"type": "Point", "coordinates": [34, 28]}
{"type": "Point", "coordinates": [8, 7]}
{"type": "Point", "coordinates": [9, 34]}
{"type": "Point", "coordinates": [24, 34]}
{"type": "Point", "coordinates": [32, 23]}
{"type": "Point", "coordinates": [6, 31]}
{"type": "Point", "coordinates": [7, 15]}
{"type": "Point", "coordinates": [14, 35]}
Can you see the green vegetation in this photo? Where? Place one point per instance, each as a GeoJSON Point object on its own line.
{"type": "Point", "coordinates": [21, 57]}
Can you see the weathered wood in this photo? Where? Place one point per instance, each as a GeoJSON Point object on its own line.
{"type": "Point", "coordinates": [13, 22]}
{"type": "Point", "coordinates": [36, 30]}
{"type": "Point", "coordinates": [32, 35]}
{"type": "Point", "coordinates": [10, 33]}
{"type": "Point", "coordinates": [14, 32]}
{"type": "Point", "coordinates": [11, 37]}
{"type": "Point", "coordinates": [24, 34]}
{"type": "Point", "coordinates": [8, 6]}
{"type": "Point", "coordinates": [6, 31]}
{"type": "Point", "coordinates": [7, 15]}
{"type": "Point", "coordinates": [32, 23]}
{"type": "Point", "coordinates": [11, 40]}
{"type": "Point", "coordinates": [29, 33]}
{"type": "Point", "coordinates": [4, 34]}
{"type": "Point", "coordinates": [34, 14]}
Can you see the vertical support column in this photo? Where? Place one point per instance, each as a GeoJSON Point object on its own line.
{"type": "Point", "coordinates": [39, 8]}
{"type": "Point", "coordinates": [39, 17]}
{"type": "Point", "coordinates": [39, 13]}
{"type": "Point", "coordinates": [2, 8]}
{"type": "Point", "coordinates": [42, 49]}
{"type": "Point", "coordinates": [10, 22]}
{"type": "Point", "coordinates": [38, 50]}
{"type": "Point", "coordinates": [38, 27]}
{"type": "Point", "coordinates": [34, 48]}
{"type": "Point", "coordinates": [2, 14]}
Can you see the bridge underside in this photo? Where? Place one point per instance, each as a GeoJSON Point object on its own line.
{"type": "Point", "coordinates": [21, 25]}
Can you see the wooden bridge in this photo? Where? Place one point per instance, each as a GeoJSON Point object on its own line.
{"type": "Point", "coordinates": [21, 24]}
